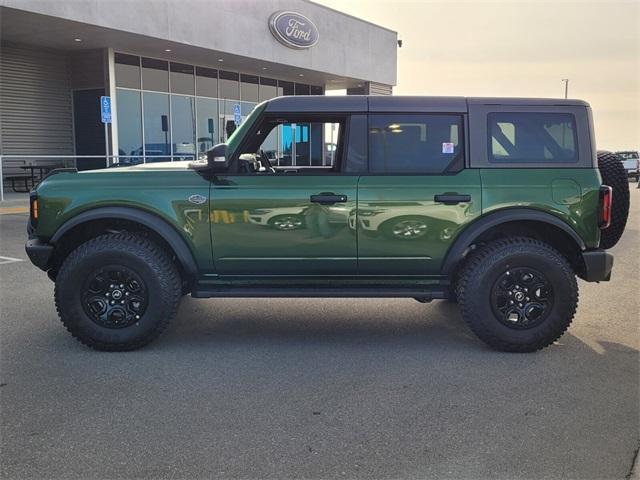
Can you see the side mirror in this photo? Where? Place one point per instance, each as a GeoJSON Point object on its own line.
{"type": "Point", "coordinates": [217, 158]}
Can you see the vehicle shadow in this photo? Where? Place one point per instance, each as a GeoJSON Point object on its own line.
{"type": "Point", "coordinates": [318, 321]}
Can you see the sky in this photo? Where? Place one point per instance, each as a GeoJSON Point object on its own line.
{"type": "Point", "coordinates": [520, 48]}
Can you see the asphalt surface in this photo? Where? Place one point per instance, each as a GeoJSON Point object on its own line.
{"type": "Point", "coordinates": [318, 389]}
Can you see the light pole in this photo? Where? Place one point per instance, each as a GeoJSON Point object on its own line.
{"type": "Point", "coordinates": [566, 87]}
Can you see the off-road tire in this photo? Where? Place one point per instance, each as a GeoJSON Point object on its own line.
{"type": "Point", "coordinates": [479, 276]}
{"type": "Point", "coordinates": [151, 263]}
{"type": "Point", "coordinates": [614, 174]}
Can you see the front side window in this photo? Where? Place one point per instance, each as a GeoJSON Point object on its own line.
{"type": "Point", "coordinates": [415, 143]}
{"type": "Point", "coordinates": [525, 137]}
{"type": "Point", "coordinates": [290, 146]}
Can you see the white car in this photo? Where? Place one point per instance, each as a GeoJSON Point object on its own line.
{"type": "Point", "coordinates": [293, 218]}
{"type": "Point", "coordinates": [278, 218]}
{"type": "Point", "coordinates": [417, 220]}
{"type": "Point", "coordinates": [631, 163]}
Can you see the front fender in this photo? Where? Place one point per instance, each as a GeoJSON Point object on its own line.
{"type": "Point", "coordinates": [153, 222]}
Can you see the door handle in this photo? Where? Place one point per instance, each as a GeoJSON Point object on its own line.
{"type": "Point", "coordinates": [451, 198]}
{"type": "Point", "coordinates": [328, 198]}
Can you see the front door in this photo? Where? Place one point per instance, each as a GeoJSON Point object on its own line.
{"type": "Point", "coordinates": [284, 221]}
{"type": "Point", "coordinates": [418, 195]}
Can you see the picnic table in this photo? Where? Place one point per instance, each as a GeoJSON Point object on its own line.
{"type": "Point", "coordinates": [16, 180]}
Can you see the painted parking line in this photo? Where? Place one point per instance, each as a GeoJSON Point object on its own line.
{"type": "Point", "coordinates": [5, 260]}
{"type": "Point", "coordinates": [10, 210]}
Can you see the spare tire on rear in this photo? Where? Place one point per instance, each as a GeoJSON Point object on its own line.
{"type": "Point", "coordinates": [614, 174]}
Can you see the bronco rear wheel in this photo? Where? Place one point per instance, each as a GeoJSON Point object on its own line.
{"type": "Point", "coordinates": [517, 294]}
{"type": "Point", "coordinates": [117, 292]}
{"type": "Point", "coordinates": [614, 174]}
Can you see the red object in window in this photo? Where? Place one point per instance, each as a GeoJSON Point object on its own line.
{"type": "Point", "coordinates": [606, 200]}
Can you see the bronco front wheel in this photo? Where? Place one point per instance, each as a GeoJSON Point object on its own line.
{"type": "Point", "coordinates": [518, 294]}
{"type": "Point", "coordinates": [117, 292]}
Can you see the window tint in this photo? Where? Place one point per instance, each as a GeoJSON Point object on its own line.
{"type": "Point", "coordinates": [127, 70]}
{"type": "Point", "coordinates": [357, 149]}
{"type": "Point", "coordinates": [229, 85]}
{"type": "Point", "coordinates": [249, 88]}
{"type": "Point", "coordinates": [414, 143]}
{"type": "Point", "coordinates": [155, 75]}
{"type": "Point", "coordinates": [182, 78]}
{"type": "Point", "coordinates": [532, 137]}
{"type": "Point", "coordinates": [206, 82]}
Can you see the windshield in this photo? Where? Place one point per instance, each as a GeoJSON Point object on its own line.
{"type": "Point", "coordinates": [628, 155]}
{"type": "Point", "coordinates": [239, 133]}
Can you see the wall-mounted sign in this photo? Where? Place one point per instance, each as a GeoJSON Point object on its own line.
{"type": "Point", "coordinates": [293, 30]}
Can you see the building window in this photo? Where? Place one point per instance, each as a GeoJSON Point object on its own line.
{"type": "Point", "coordinates": [286, 88]}
{"type": "Point", "coordinates": [155, 75]}
{"type": "Point", "coordinates": [206, 82]}
{"type": "Point", "coordinates": [268, 88]}
{"type": "Point", "coordinates": [229, 85]}
{"type": "Point", "coordinates": [249, 88]}
{"type": "Point", "coordinates": [302, 89]}
{"type": "Point", "coordinates": [183, 128]}
{"type": "Point", "coordinates": [317, 90]}
{"type": "Point", "coordinates": [127, 70]}
{"type": "Point", "coordinates": [421, 143]}
{"type": "Point", "coordinates": [532, 137]}
{"type": "Point", "coordinates": [208, 132]}
{"type": "Point", "coordinates": [174, 111]}
{"type": "Point", "coordinates": [156, 127]}
{"type": "Point", "coordinates": [182, 80]}
{"type": "Point", "coordinates": [129, 125]}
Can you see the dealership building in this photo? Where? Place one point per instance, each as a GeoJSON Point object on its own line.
{"type": "Point", "coordinates": [180, 74]}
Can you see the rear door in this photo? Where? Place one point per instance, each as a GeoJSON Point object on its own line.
{"type": "Point", "coordinates": [417, 195]}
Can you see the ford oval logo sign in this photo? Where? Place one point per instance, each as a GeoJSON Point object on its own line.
{"type": "Point", "coordinates": [293, 29]}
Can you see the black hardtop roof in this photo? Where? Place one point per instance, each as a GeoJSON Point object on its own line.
{"type": "Point", "coordinates": [399, 103]}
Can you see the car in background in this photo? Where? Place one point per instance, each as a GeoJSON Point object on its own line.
{"type": "Point", "coordinates": [631, 163]}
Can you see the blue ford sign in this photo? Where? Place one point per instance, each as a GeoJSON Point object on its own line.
{"type": "Point", "coordinates": [293, 30]}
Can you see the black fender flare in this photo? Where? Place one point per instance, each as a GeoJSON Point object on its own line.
{"type": "Point", "coordinates": [149, 220]}
{"type": "Point", "coordinates": [466, 238]}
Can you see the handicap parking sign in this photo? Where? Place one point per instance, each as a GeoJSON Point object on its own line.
{"type": "Point", "coordinates": [237, 115]}
{"type": "Point", "coordinates": [105, 109]}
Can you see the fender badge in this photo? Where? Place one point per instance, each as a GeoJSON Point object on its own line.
{"type": "Point", "coordinates": [197, 199]}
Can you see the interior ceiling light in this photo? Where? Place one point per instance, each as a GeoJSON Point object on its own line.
{"type": "Point", "coordinates": [167, 49]}
{"type": "Point", "coordinates": [77, 39]}
{"type": "Point", "coordinates": [220, 60]}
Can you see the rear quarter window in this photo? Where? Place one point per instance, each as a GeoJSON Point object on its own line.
{"type": "Point", "coordinates": [523, 137]}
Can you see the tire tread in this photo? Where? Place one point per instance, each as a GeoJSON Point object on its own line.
{"type": "Point", "coordinates": [148, 252]}
{"type": "Point", "coordinates": [474, 266]}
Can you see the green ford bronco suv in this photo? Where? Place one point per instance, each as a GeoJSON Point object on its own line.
{"type": "Point", "coordinates": [496, 204]}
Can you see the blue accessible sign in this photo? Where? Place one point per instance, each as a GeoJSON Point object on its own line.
{"type": "Point", "coordinates": [237, 114]}
{"type": "Point", "coordinates": [105, 109]}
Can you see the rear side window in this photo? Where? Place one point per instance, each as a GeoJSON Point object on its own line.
{"type": "Point", "coordinates": [415, 143]}
{"type": "Point", "coordinates": [532, 137]}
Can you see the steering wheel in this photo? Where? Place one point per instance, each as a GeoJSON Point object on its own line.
{"type": "Point", "coordinates": [266, 162]}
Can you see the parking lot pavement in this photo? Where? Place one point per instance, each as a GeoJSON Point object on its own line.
{"type": "Point", "coordinates": [260, 388]}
